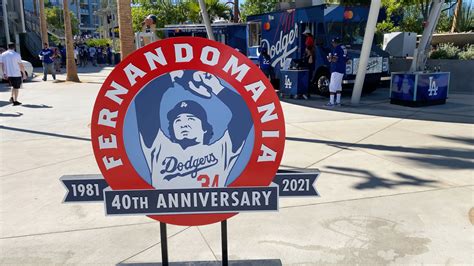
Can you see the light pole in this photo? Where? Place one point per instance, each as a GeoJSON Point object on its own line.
{"type": "Point", "coordinates": [365, 52]}
{"type": "Point", "coordinates": [205, 19]}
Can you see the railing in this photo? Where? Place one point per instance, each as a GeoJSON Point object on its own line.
{"type": "Point", "coordinates": [33, 35]}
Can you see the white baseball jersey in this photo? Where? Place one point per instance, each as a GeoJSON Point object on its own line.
{"type": "Point", "coordinates": [171, 166]}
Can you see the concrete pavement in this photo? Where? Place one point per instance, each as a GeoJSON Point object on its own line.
{"type": "Point", "coordinates": [396, 187]}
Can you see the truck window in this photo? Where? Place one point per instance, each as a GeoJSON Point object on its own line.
{"type": "Point", "coordinates": [351, 33]}
{"type": "Point", "coordinates": [255, 34]}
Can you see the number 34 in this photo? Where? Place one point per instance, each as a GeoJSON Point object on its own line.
{"type": "Point", "coordinates": [206, 181]}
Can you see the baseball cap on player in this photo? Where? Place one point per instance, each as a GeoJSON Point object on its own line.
{"type": "Point", "coordinates": [190, 107]}
{"type": "Point", "coordinates": [336, 40]}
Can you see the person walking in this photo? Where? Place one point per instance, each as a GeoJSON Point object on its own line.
{"type": "Point", "coordinates": [92, 55]}
{"type": "Point", "coordinates": [99, 55]}
{"type": "Point", "coordinates": [57, 60]}
{"type": "Point", "coordinates": [76, 54]}
{"type": "Point", "coordinates": [84, 55]}
{"type": "Point", "coordinates": [109, 54]}
{"type": "Point", "coordinates": [337, 58]}
{"type": "Point", "coordinates": [46, 55]}
{"type": "Point", "coordinates": [13, 70]}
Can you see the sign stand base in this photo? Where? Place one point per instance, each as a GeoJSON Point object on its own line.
{"type": "Point", "coordinates": [225, 254]}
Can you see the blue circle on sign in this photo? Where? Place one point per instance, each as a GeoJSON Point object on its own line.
{"type": "Point", "coordinates": [167, 145]}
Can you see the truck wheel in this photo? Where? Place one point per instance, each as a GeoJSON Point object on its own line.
{"type": "Point", "coordinates": [321, 83]}
{"type": "Point", "coordinates": [369, 88]}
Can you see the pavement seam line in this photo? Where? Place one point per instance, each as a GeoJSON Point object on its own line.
{"type": "Point", "coordinates": [207, 243]}
{"type": "Point", "coordinates": [72, 231]}
{"type": "Point", "coordinates": [154, 245]}
{"type": "Point", "coordinates": [375, 197]}
{"type": "Point", "coordinates": [335, 120]}
{"type": "Point", "coordinates": [46, 165]}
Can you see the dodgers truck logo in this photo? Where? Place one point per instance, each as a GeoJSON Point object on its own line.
{"type": "Point", "coordinates": [283, 42]}
{"type": "Point", "coordinates": [187, 113]}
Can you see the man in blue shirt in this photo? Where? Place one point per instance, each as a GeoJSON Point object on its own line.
{"type": "Point", "coordinates": [264, 62]}
{"type": "Point", "coordinates": [109, 55]}
{"type": "Point", "coordinates": [337, 58]}
{"type": "Point", "coordinates": [46, 55]}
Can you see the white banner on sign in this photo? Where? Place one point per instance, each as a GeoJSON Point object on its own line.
{"type": "Point", "coordinates": [374, 65]}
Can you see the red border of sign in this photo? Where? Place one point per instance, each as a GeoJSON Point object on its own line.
{"type": "Point", "coordinates": [125, 176]}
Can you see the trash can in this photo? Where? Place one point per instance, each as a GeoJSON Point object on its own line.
{"type": "Point", "coordinates": [419, 88]}
{"type": "Point", "coordinates": [294, 82]}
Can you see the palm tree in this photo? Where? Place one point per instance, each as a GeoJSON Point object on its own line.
{"type": "Point", "coordinates": [127, 36]}
{"type": "Point", "coordinates": [215, 9]}
{"type": "Point", "coordinates": [71, 68]}
{"type": "Point", "coordinates": [236, 11]}
{"type": "Point", "coordinates": [457, 13]}
{"type": "Point", "coordinates": [43, 25]}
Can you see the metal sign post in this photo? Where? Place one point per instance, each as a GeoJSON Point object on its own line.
{"type": "Point", "coordinates": [164, 244]}
{"type": "Point", "coordinates": [225, 253]}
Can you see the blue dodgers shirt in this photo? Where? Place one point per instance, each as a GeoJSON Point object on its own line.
{"type": "Point", "coordinates": [46, 54]}
{"type": "Point", "coordinates": [264, 62]}
{"type": "Point", "coordinates": [340, 65]}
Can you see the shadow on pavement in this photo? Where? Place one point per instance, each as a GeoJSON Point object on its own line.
{"type": "Point", "coordinates": [4, 103]}
{"type": "Point", "coordinates": [435, 157]}
{"type": "Point", "coordinates": [17, 114]}
{"type": "Point", "coordinates": [372, 181]}
{"type": "Point", "coordinates": [36, 106]}
{"type": "Point", "coordinates": [458, 108]}
{"type": "Point", "coordinates": [462, 140]}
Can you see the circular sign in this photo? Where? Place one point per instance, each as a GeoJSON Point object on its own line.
{"type": "Point", "coordinates": [187, 113]}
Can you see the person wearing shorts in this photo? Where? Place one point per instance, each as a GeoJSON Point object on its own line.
{"type": "Point", "coordinates": [337, 58]}
{"type": "Point", "coordinates": [47, 57]}
{"type": "Point", "coordinates": [13, 70]}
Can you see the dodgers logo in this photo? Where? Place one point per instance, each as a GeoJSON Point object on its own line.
{"type": "Point", "coordinates": [433, 89]}
{"type": "Point", "coordinates": [187, 113]}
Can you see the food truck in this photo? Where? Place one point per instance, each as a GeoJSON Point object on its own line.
{"type": "Point", "coordinates": [281, 32]}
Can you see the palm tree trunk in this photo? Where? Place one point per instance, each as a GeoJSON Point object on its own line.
{"type": "Point", "coordinates": [34, 8]}
{"type": "Point", "coordinates": [43, 25]}
{"type": "Point", "coordinates": [454, 26]}
{"type": "Point", "coordinates": [127, 36]}
{"type": "Point", "coordinates": [71, 68]}
{"type": "Point", "coordinates": [236, 11]}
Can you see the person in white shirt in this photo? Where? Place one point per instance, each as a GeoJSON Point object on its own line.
{"type": "Point", "coordinates": [13, 70]}
{"type": "Point", "coordinates": [92, 55]}
{"type": "Point", "coordinates": [76, 54]}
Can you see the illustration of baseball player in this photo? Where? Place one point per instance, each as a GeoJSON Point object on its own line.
{"type": "Point", "coordinates": [187, 158]}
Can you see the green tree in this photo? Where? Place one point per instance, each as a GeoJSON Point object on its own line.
{"type": "Point", "coordinates": [412, 15]}
{"type": "Point", "coordinates": [55, 19]}
{"type": "Point", "coordinates": [165, 12]}
{"type": "Point", "coordinates": [215, 9]}
{"type": "Point", "coordinates": [254, 7]}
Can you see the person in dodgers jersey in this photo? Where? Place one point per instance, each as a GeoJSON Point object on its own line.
{"type": "Point", "coordinates": [187, 158]}
{"type": "Point", "coordinates": [337, 58]}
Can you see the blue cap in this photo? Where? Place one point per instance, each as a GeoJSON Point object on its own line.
{"type": "Point", "coordinates": [188, 107]}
